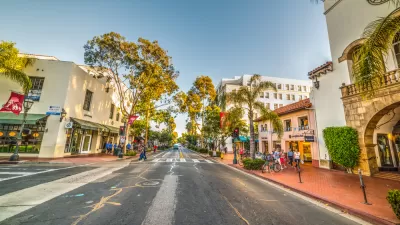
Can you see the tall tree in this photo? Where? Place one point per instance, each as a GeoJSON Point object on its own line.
{"type": "Point", "coordinates": [12, 64]}
{"type": "Point", "coordinates": [189, 103]}
{"type": "Point", "coordinates": [204, 88]}
{"type": "Point", "coordinates": [246, 98]}
{"type": "Point", "coordinates": [143, 68]}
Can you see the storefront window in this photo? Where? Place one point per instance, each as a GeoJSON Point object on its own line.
{"type": "Point", "coordinates": [276, 145]}
{"type": "Point", "coordinates": [30, 142]}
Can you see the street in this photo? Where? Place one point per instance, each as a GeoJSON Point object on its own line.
{"type": "Point", "coordinates": [172, 187]}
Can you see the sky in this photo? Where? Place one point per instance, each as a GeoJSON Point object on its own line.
{"type": "Point", "coordinates": [217, 38]}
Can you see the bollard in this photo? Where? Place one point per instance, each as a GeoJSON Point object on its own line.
{"type": "Point", "coordinates": [362, 185]}
{"type": "Point", "coordinates": [298, 168]}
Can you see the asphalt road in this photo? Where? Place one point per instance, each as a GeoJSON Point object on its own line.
{"type": "Point", "coordinates": [176, 187]}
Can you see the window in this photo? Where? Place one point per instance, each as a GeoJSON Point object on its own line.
{"type": "Point", "coordinates": [276, 95]}
{"type": "Point", "coordinates": [88, 100]}
{"type": "Point", "coordinates": [304, 88]}
{"type": "Point", "coordinates": [117, 117]}
{"type": "Point", "coordinates": [293, 98]}
{"type": "Point", "coordinates": [280, 96]}
{"type": "Point", "coordinates": [288, 125]}
{"type": "Point", "coordinates": [266, 94]}
{"type": "Point", "coordinates": [298, 87]}
{"type": "Point", "coordinates": [37, 86]}
{"type": "Point", "coordinates": [303, 123]}
{"type": "Point", "coordinates": [305, 97]}
{"type": "Point", "coordinates": [287, 97]}
{"type": "Point", "coordinates": [280, 105]}
{"type": "Point", "coordinates": [396, 48]}
{"type": "Point", "coordinates": [267, 105]}
{"type": "Point", "coordinates": [262, 95]}
{"type": "Point", "coordinates": [275, 106]}
{"type": "Point", "coordinates": [300, 97]}
{"type": "Point", "coordinates": [112, 111]}
{"type": "Point", "coordinates": [292, 87]}
{"type": "Point", "coordinates": [248, 83]}
{"type": "Point", "coordinates": [265, 127]}
{"type": "Point", "coordinates": [287, 86]}
{"type": "Point", "coordinates": [279, 86]}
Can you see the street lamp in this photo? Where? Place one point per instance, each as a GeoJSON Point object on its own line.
{"type": "Point", "coordinates": [27, 106]}
{"type": "Point", "coordinates": [63, 114]}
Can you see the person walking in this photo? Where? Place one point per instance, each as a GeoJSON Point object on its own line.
{"type": "Point", "coordinates": [282, 160]}
{"type": "Point", "coordinates": [155, 148]}
{"type": "Point", "coordinates": [109, 147]}
{"type": "Point", "coordinates": [128, 146]}
{"type": "Point", "coordinates": [297, 158]}
{"type": "Point", "coordinates": [290, 157]}
{"type": "Point", "coordinates": [115, 147]}
{"type": "Point", "coordinates": [142, 150]}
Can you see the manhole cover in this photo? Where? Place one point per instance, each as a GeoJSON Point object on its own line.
{"type": "Point", "coordinates": [148, 183]}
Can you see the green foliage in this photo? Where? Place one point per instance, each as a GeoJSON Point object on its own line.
{"type": "Point", "coordinates": [342, 145]}
{"type": "Point", "coordinates": [11, 65]}
{"type": "Point", "coordinates": [217, 153]}
{"type": "Point", "coordinates": [203, 150]}
{"type": "Point", "coordinates": [253, 164]}
{"type": "Point", "coordinates": [394, 200]}
{"type": "Point", "coordinates": [131, 153]}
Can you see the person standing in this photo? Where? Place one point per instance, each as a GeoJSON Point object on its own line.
{"type": "Point", "coordinates": [109, 147]}
{"type": "Point", "coordinates": [128, 146]}
{"type": "Point", "coordinates": [155, 148]}
{"type": "Point", "coordinates": [142, 150]}
{"type": "Point", "coordinates": [290, 157]}
{"type": "Point", "coordinates": [115, 147]}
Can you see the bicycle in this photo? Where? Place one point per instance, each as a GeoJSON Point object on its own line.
{"type": "Point", "coordinates": [242, 157]}
{"type": "Point", "coordinates": [272, 166]}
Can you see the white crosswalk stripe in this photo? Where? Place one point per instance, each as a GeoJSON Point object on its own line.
{"type": "Point", "coordinates": [169, 160]}
{"type": "Point", "coordinates": [208, 161]}
{"type": "Point", "coordinates": [183, 160]}
{"type": "Point", "coordinates": [195, 160]}
{"type": "Point", "coordinates": [155, 160]}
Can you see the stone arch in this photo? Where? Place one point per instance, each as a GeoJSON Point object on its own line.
{"type": "Point", "coordinates": [349, 49]}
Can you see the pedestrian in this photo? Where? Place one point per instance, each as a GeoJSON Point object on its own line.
{"type": "Point", "coordinates": [142, 150]}
{"type": "Point", "coordinates": [115, 146]}
{"type": "Point", "coordinates": [282, 160]}
{"type": "Point", "coordinates": [290, 157]}
{"type": "Point", "coordinates": [109, 147]}
{"type": "Point", "coordinates": [226, 150]}
{"type": "Point", "coordinates": [155, 148]}
{"type": "Point", "coordinates": [297, 158]}
{"type": "Point", "coordinates": [277, 156]}
{"type": "Point", "coordinates": [128, 146]}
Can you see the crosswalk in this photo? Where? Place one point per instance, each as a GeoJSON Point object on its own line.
{"type": "Point", "coordinates": [11, 172]}
{"type": "Point", "coordinates": [184, 160]}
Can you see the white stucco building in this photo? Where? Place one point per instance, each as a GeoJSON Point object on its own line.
{"type": "Point", "coordinates": [90, 106]}
{"type": "Point", "coordinates": [288, 92]}
{"type": "Point", "coordinates": [346, 21]}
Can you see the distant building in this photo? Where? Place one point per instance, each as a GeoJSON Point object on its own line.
{"type": "Point", "coordinates": [90, 101]}
{"type": "Point", "coordinates": [288, 91]}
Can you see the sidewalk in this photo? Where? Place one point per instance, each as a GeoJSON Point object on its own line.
{"type": "Point", "coordinates": [337, 188]}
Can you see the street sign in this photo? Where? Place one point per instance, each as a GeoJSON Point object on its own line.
{"type": "Point", "coordinates": [69, 125]}
{"type": "Point", "coordinates": [309, 138]}
{"type": "Point", "coordinates": [54, 110]}
{"type": "Point", "coordinates": [122, 139]}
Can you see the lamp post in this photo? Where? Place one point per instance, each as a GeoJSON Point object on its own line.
{"type": "Point", "coordinates": [27, 106]}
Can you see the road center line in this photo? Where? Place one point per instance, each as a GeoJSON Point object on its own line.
{"type": "Point", "coordinates": [162, 209]}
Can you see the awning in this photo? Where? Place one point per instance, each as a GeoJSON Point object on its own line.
{"type": "Point", "coordinates": [242, 139]}
{"type": "Point", "coordinates": [84, 124]}
{"type": "Point", "coordinates": [112, 129]}
{"type": "Point", "coordinates": [10, 118]}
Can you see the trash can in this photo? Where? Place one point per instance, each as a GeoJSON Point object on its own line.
{"type": "Point", "coordinates": [116, 151]}
{"type": "Point", "coordinates": [222, 155]}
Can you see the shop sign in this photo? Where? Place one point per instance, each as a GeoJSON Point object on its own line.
{"type": "Point", "coordinates": [309, 138]}
{"type": "Point", "coordinates": [264, 138]}
{"type": "Point", "coordinates": [296, 136]}
{"type": "Point", "coordinates": [69, 125]}
{"type": "Point", "coordinates": [54, 110]}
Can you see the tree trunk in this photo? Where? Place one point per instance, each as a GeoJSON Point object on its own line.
{"type": "Point", "coordinates": [147, 128]}
{"type": "Point", "coordinates": [252, 152]}
{"type": "Point", "coordinates": [126, 137]}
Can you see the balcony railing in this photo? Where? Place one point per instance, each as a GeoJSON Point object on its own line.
{"type": "Point", "coordinates": [388, 79]}
{"type": "Point", "coordinates": [288, 129]}
{"type": "Point", "coordinates": [303, 127]}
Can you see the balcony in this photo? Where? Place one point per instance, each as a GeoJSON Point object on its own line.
{"type": "Point", "coordinates": [288, 129]}
{"type": "Point", "coordinates": [303, 127]}
{"type": "Point", "coordinates": [389, 79]}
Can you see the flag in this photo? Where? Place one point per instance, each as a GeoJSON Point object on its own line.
{"type": "Point", "coordinates": [222, 116]}
{"type": "Point", "coordinates": [132, 119]}
{"type": "Point", "coordinates": [14, 103]}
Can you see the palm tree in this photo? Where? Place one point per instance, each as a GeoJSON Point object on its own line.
{"type": "Point", "coordinates": [246, 98]}
{"type": "Point", "coordinates": [11, 65]}
{"type": "Point", "coordinates": [369, 64]}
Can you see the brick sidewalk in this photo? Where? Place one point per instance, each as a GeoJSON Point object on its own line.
{"type": "Point", "coordinates": [337, 188]}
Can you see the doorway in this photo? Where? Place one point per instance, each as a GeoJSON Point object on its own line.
{"type": "Point", "coordinates": [85, 143]}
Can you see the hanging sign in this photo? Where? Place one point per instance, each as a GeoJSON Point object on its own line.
{"type": "Point", "coordinates": [69, 125]}
{"type": "Point", "coordinates": [309, 138]}
{"type": "Point", "coordinates": [54, 110]}
{"type": "Point", "coordinates": [14, 103]}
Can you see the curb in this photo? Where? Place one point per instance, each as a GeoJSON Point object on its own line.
{"type": "Point", "coordinates": [365, 216]}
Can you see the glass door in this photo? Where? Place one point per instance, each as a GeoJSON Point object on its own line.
{"type": "Point", "coordinates": [85, 146]}
{"type": "Point", "coordinates": [384, 150]}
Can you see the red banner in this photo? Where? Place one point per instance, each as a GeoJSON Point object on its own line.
{"type": "Point", "coordinates": [222, 116]}
{"type": "Point", "coordinates": [132, 119]}
{"type": "Point", "coordinates": [14, 103]}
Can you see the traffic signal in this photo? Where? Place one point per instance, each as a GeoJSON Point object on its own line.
{"type": "Point", "coordinates": [236, 133]}
{"type": "Point", "coordinates": [122, 131]}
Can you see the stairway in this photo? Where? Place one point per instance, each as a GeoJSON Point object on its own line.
{"type": "Point", "coordinates": [388, 175]}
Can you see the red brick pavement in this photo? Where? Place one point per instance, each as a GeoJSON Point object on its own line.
{"type": "Point", "coordinates": [337, 188]}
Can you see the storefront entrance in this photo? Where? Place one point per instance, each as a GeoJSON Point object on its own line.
{"type": "Point", "coordinates": [303, 147]}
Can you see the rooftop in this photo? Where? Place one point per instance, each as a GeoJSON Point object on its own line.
{"type": "Point", "coordinates": [36, 56]}
{"type": "Point", "coordinates": [303, 104]}
{"type": "Point", "coordinates": [323, 69]}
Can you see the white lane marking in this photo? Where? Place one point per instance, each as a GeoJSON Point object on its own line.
{"type": "Point", "coordinates": [45, 171]}
{"type": "Point", "coordinates": [16, 202]}
{"type": "Point", "coordinates": [155, 160]}
{"type": "Point", "coordinates": [208, 161]}
{"type": "Point", "coordinates": [169, 160]}
{"type": "Point", "coordinates": [4, 168]}
{"type": "Point", "coordinates": [136, 170]}
{"type": "Point", "coordinates": [183, 160]}
{"type": "Point", "coordinates": [195, 160]}
{"type": "Point", "coordinates": [18, 173]}
{"type": "Point", "coordinates": [162, 209]}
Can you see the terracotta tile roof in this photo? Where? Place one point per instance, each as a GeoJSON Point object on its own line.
{"type": "Point", "coordinates": [303, 104]}
{"type": "Point", "coordinates": [327, 67]}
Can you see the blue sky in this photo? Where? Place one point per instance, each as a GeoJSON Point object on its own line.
{"type": "Point", "coordinates": [218, 38]}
